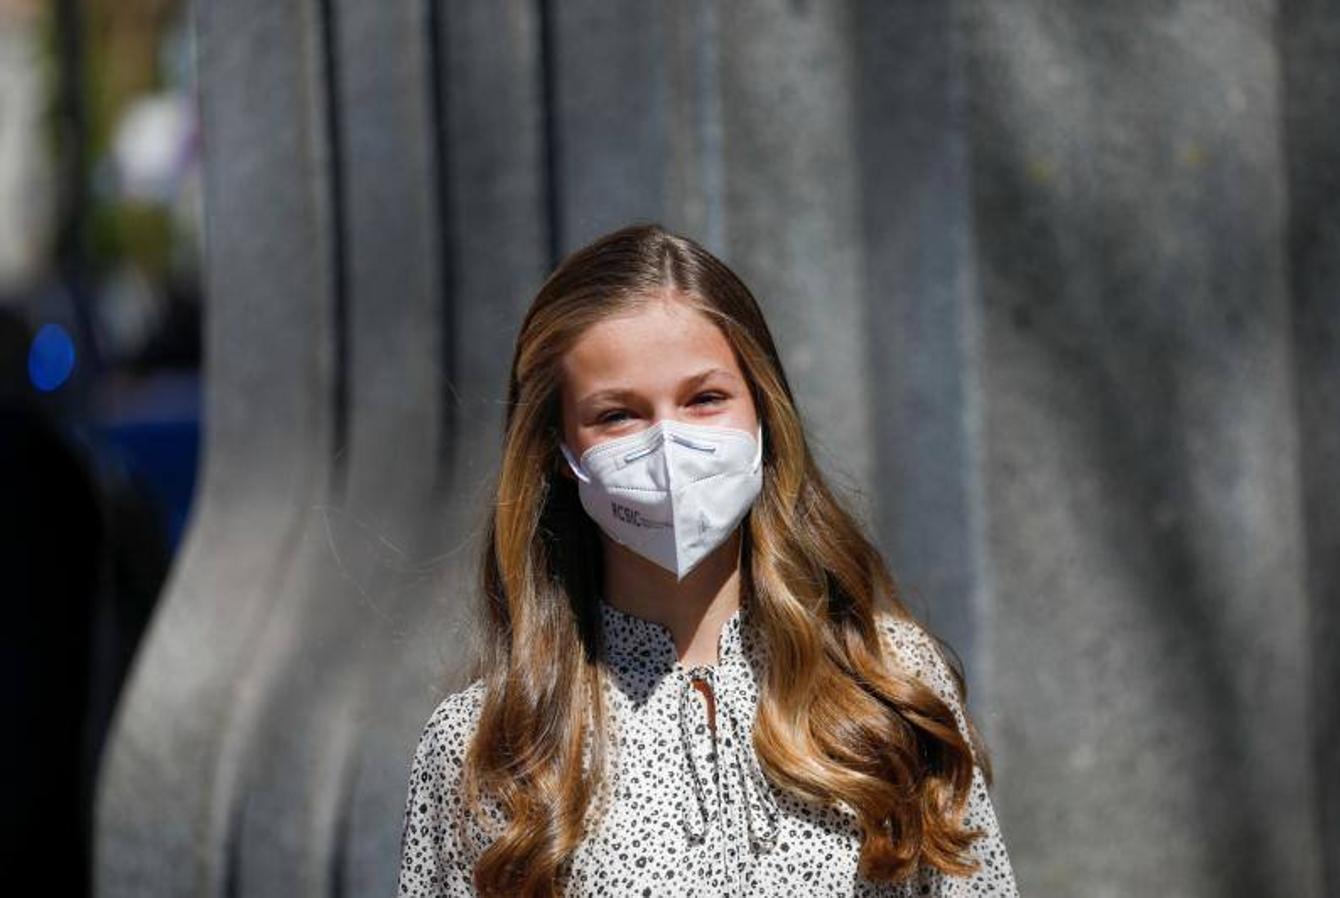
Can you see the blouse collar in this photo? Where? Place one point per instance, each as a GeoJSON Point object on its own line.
{"type": "Point", "coordinates": [636, 642]}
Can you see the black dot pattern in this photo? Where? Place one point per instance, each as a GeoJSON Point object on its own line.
{"type": "Point", "coordinates": [688, 810]}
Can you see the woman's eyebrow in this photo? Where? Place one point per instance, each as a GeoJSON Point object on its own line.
{"type": "Point", "coordinates": [693, 380]}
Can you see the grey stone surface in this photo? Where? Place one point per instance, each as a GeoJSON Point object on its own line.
{"type": "Point", "coordinates": [1142, 488]}
{"type": "Point", "coordinates": [1309, 46]}
{"type": "Point", "coordinates": [919, 287]}
{"type": "Point", "coordinates": [611, 121]}
{"type": "Point", "coordinates": [303, 706]}
{"type": "Point", "coordinates": [495, 244]}
{"type": "Point", "coordinates": [793, 215]}
{"type": "Point", "coordinates": [1055, 285]}
{"type": "Point", "coordinates": [169, 775]}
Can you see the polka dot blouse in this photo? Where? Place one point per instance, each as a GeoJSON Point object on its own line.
{"type": "Point", "coordinates": [691, 812]}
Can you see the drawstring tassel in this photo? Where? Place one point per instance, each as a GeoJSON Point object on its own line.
{"type": "Point", "coordinates": [758, 797]}
{"type": "Point", "coordinates": [698, 833]}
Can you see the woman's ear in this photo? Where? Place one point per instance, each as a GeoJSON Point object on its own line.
{"type": "Point", "coordinates": [563, 467]}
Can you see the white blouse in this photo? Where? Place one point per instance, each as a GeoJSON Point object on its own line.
{"type": "Point", "coordinates": [691, 812]}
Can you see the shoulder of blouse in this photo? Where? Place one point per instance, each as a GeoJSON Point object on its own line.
{"type": "Point", "coordinates": [447, 733]}
{"type": "Point", "coordinates": [920, 655]}
{"type": "Point", "coordinates": [440, 755]}
{"type": "Point", "coordinates": [439, 760]}
{"type": "Point", "coordinates": [457, 713]}
{"type": "Point", "coordinates": [916, 651]}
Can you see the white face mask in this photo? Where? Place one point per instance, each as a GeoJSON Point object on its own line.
{"type": "Point", "coordinates": [672, 492]}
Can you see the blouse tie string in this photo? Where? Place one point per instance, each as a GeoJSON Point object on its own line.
{"type": "Point", "coordinates": [762, 816]}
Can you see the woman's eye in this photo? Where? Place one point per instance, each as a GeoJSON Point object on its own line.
{"type": "Point", "coordinates": [615, 415]}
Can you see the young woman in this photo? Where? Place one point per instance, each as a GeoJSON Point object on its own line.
{"type": "Point", "coordinates": [696, 675]}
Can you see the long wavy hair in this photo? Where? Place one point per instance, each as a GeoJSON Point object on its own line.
{"type": "Point", "coordinates": [835, 720]}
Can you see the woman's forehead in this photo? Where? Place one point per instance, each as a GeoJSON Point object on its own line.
{"type": "Point", "coordinates": [656, 343]}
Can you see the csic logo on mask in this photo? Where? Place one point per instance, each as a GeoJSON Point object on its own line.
{"type": "Point", "coordinates": [634, 517]}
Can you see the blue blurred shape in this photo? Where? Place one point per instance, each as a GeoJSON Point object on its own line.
{"type": "Point", "coordinates": [50, 357]}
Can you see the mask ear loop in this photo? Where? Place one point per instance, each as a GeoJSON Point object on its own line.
{"type": "Point", "coordinates": [573, 463]}
{"type": "Point", "coordinates": [758, 455]}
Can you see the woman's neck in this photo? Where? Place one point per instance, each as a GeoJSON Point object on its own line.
{"type": "Point", "coordinates": [693, 609]}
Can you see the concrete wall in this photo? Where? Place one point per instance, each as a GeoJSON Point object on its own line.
{"type": "Point", "coordinates": [1055, 283]}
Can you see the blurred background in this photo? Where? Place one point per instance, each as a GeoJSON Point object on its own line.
{"type": "Point", "coordinates": [99, 386]}
{"type": "Point", "coordinates": [1057, 285]}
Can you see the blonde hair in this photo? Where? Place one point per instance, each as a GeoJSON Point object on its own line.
{"type": "Point", "coordinates": [835, 719]}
